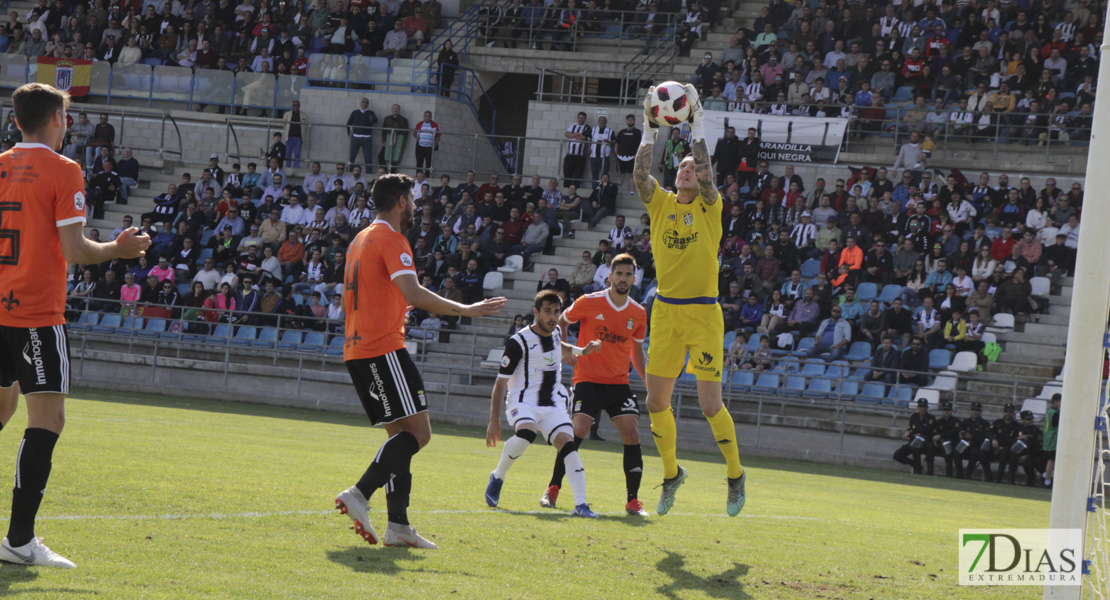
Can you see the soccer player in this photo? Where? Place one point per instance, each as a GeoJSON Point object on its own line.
{"type": "Point", "coordinates": [379, 283]}
{"type": "Point", "coordinates": [601, 379]}
{"type": "Point", "coordinates": [685, 236]}
{"type": "Point", "coordinates": [530, 386]}
{"type": "Point", "coordinates": [42, 218]}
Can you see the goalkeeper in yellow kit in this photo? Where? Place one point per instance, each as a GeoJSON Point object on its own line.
{"type": "Point", "coordinates": [685, 237]}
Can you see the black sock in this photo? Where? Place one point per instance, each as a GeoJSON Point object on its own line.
{"type": "Point", "coordinates": [560, 469]}
{"type": "Point", "coordinates": [397, 498]}
{"type": "Point", "coordinates": [393, 459]}
{"type": "Point", "coordinates": [633, 469]}
{"type": "Point", "coordinates": [32, 471]}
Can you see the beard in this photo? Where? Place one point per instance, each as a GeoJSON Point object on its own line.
{"type": "Point", "coordinates": [622, 288]}
{"type": "Point", "coordinates": [407, 220]}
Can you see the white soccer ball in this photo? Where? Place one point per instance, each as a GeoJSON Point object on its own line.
{"type": "Point", "coordinates": [669, 105]}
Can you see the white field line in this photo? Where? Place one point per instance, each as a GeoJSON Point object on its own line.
{"type": "Point", "coordinates": [285, 513]}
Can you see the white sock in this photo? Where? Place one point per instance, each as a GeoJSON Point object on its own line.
{"type": "Point", "coordinates": [513, 448]}
{"type": "Point", "coordinates": [576, 475]}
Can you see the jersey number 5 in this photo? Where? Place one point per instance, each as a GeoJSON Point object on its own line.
{"type": "Point", "coordinates": [12, 258]}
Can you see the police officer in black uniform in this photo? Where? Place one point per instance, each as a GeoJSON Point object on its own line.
{"type": "Point", "coordinates": [923, 426]}
{"type": "Point", "coordinates": [1030, 435]}
{"type": "Point", "coordinates": [1004, 432]}
{"type": "Point", "coordinates": [948, 432]}
{"type": "Point", "coordinates": [974, 430]}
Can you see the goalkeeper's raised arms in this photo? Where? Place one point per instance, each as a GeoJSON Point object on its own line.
{"type": "Point", "coordinates": [641, 167]}
{"type": "Point", "coordinates": [703, 167]}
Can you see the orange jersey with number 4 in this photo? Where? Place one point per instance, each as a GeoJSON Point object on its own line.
{"type": "Point", "coordinates": [618, 328]}
{"type": "Point", "coordinates": [40, 191]}
{"type": "Point", "coordinates": [374, 308]}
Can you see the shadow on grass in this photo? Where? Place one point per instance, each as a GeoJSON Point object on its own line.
{"type": "Point", "coordinates": [17, 575]}
{"type": "Point", "coordinates": [560, 515]}
{"type": "Point", "coordinates": [722, 585]}
{"type": "Point", "coordinates": [378, 560]}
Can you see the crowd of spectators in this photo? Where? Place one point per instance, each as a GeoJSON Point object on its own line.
{"type": "Point", "coordinates": [979, 69]}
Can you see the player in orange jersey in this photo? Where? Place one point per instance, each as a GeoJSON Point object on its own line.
{"type": "Point", "coordinates": [601, 379]}
{"type": "Point", "coordinates": [379, 285]}
{"type": "Point", "coordinates": [42, 218]}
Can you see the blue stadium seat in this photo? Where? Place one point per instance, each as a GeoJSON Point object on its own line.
{"type": "Point", "coordinates": [108, 323]}
{"type": "Point", "coordinates": [220, 334]}
{"type": "Point", "coordinates": [730, 339]}
{"type": "Point", "coordinates": [900, 396]}
{"type": "Point", "coordinates": [267, 338]}
{"type": "Point", "coordinates": [183, 289]}
{"type": "Point", "coordinates": [859, 351]}
{"type": "Point", "coordinates": [867, 291]}
{"type": "Point", "coordinates": [795, 385]}
{"type": "Point", "coordinates": [813, 368]}
{"type": "Point", "coordinates": [204, 255]}
{"type": "Point", "coordinates": [299, 298]}
{"type": "Point", "coordinates": [889, 293]}
{"type": "Point", "coordinates": [768, 383]}
{"type": "Point", "coordinates": [153, 328]}
{"type": "Point", "coordinates": [335, 346]}
{"type": "Point", "coordinates": [819, 387]}
{"type": "Point", "coordinates": [811, 268]}
{"type": "Point", "coordinates": [244, 336]}
{"type": "Point", "coordinates": [872, 393]}
{"type": "Point", "coordinates": [803, 345]}
{"type": "Point", "coordinates": [903, 94]}
{"type": "Point", "coordinates": [742, 381]}
{"type": "Point", "coordinates": [686, 379]}
{"type": "Point", "coordinates": [861, 373]}
{"type": "Point", "coordinates": [612, 32]}
{"type": "Point", "coordinates": [290, 339]}
{"type": "Point", "coordinates": [849, 390]}
{"type": "Point", "coordinates": [87, 320]}
{"type": "Point", "coordinates": [939, 359]}
{"type": "Point", "coordinates": [753, 341]}
{"type": "Point", "coordinates": [129, 326]}
{"type": "Point", "coordinates": [313, 342]}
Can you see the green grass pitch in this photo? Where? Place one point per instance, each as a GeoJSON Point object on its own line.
{"type": "Point", "coordinates": [172, 498]}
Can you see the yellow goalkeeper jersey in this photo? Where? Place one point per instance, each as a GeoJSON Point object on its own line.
{"type": "Point", "coordinates": [685, 239]}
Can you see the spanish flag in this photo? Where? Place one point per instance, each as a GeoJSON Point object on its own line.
{"type": "Point", "coordinates": [67, 74]}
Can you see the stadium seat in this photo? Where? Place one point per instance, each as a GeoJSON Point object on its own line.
{"type": "Point", "coordinates": [867, 291]}
{"type": "Point", "coordinates": [87, 320]}
{"type": "Point", "coordinates": [859, 351]}
{"type": "Point", "coordinates": [939, 359]}
{"type": "Point", "coordinates": [803, 345]}
{"type": "Point", "coordinates": [493, 282]}
{"type": "Point", "coordinates": [872, 393]}
{"type": "Point", "coordinates": [945, 381]}
{"type": "Point", "coordinates": [313, 342]}
{"type": "Point", "coordinates": [730, 339]}
{"type": "Point", "coordinates": [1002, 323]}
{"type": "Point", "coordinates": [903, 94]}
{"type": "Point", "coordinates": [183, 289]}
{"type": "Point", "coordinates": [335, 346]}
{"type": "Point", "coordinates": [989, 338]}
{"type": "Point", "coordinates": [861, 373]}
{"type": "Point", "coordinates": [930, 394]}
{"type": "Point", "coordinates": [612, 32]}
{"type": "Point", "coordinates": [1050, 389]}
{"type": "Point", "coordinates": [220, 334]}
{"type": "Point", "coordinates": [813, 368]}
{"type": "Point", "coordinates": [742, 381]}
{"type": "Point", "coordinates": [493, 359]}
{"type": "Point", "coordinates": [152, 329]}
{"type": "Point", "coordinates": [768, 383]}
{"type": "Point", "coordinates": [244, 336]}
{"type": "Point", "coordinates": [129, 326]}
{"type": "Point", "coordinates": [819, 387]}
{"type": "Point", "coordinates": [1040, 286]}
{"type": "Point", "coordinates": [204, 254]}
{"type": "Point", "coordinates": [512, 264]}
{"type": "Point", "coordinates": [753, 341]}
{"type": "Point", "coordinates": [795, 385]}
{"type": "Point", "coordinates": [810, 268]}
{"type": "Point", "coordinates": [964, 362]}
{"type": "Point", "coordinates": [848, 390]}
{"type": "Point", "coordinates": [900, 396]}
{"type": "Point", "coordinates": [267, 338]}
{"type": "Point", "coordinates": [889, 293]}
{"type": "Point", "coordinates": [290, 339]}
{"type": "Point", "coordinates": [108, 323]}
{"type": "Point", "coordinates": [1036, 405]}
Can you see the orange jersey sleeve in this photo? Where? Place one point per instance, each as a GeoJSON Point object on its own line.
{"type": "Point", "coordinates": [618, 329]}
{"type": "Point", "coordinates": [40, 191]}
{"type": "Point", "coordinates": [373, 305]}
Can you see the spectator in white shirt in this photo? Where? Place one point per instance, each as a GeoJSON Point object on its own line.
{"type": "Point", "coordinates": [294, 213]}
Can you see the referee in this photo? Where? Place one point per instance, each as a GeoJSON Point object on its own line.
{"type": "Point", "coordinates": [685, 236]}
{"type": "Point", "coordinates": [379, 284]}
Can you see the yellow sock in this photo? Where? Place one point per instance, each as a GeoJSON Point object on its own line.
{"type": "Point", "coordinates": [724, 431]}
{"type": "Point", "coordinates": [665, 433]}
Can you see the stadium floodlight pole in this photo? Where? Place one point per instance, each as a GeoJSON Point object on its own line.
{"type": "Point", "coordinates": [1090, 301]}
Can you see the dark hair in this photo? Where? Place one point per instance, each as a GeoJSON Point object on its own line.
{"type": "Point", "coordinates": [547, 297]}
{"type": "Point", "coordinates": [389, 189]}
{"type": "Point", "coordinates": [624, 259]}
{"type": "Point", "coordinates": [35, 103]}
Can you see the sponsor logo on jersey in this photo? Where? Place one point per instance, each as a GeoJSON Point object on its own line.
{"type": "Point", "coordinates": [32, 353]}
{"type": "Point", "coordinates": [676, 242]}
{"type": "Point", "coordinates": [504, 361]}
{"type": "Point", "coordinates": [10, 302]}
{"type": "Point", "coordinates": [79, 200]}
{"type": "Point", "coordinates": [705, 363]}
{"type": "Point", "coordinates": [688, 219]}
{"type": "Point", "coordinates": [602, 333]}
{"type": "Point", "coordinates": [406, 259]}
{"type": "Point", "coordinates": [387, 411]}
{"type": "Point", "coordinates": [600, 317]}
{"type": "Point", "coordinates": [630, 324]}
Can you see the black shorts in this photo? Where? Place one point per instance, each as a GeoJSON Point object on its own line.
{"type": "Point", "coordinates": [1049, 455]}
{"type": "Point", "coordinates": [591, 398]}
{"type": "Point", "coordinates": [389, 386]}
{"type": "Point", "coordinates": [625, 166]}
{"type": "Point", "coordinates": [35, 357]}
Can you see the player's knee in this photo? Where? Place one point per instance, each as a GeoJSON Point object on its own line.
{"type": "Point", "coordinates": [527, 435]}
{"type": "Point", "coordinates": [630, 436]}
{"type": "Point", "coordinates": [581, 428]}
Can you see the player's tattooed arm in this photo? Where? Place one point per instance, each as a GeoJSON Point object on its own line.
{"type": "Point", "coordinates": [641, 173]}
{"type": "Point", "coordinates": [703, 170]}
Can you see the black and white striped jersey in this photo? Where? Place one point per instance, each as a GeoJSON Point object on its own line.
{"type": "Point", "coordinates": [575, 147]}
{"type": "Point", "coordinates": [533, 364]}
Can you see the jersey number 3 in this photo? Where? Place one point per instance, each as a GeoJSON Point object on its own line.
{"type": "Point", "coordinates": [12, 235]}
